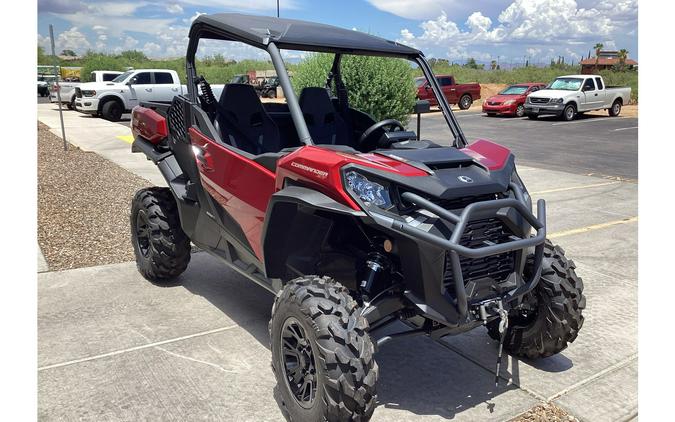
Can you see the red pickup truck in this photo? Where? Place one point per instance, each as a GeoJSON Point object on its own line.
{"type": "Point", "coordinates": [461, 94]}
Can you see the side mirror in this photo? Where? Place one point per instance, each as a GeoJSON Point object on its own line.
{"type": "Point", "coordinates": [422, 106]}
{"type": "Point", "coordinates": [427, 86]}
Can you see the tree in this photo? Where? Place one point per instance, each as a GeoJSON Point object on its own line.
{"type": "Point", "coordinates": [623, 55]}
{"type": "Point", "coordinates": [42, 58]}
{"type": "Point", "coordinates": [471, 63]}
{"type": "Point", "coordinates": [133, 56]}
{"type": "Point", "coordinates": [380, 86]}
{"type": "Point", "coordinates": [493, 65]}
{"type": "Point", "coordinates": [598, 49]}
{"type": "Point", "coordinates": [69, 53]}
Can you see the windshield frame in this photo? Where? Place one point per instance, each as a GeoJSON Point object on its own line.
{"type": "Point", "coordinates": [121, 78]}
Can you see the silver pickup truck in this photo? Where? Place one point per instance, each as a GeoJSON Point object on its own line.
{"type": "Point", "coordinates": [570, 95]}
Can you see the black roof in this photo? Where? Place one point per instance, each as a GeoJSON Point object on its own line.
{"type": "Point", "coordinates": [293, 34]}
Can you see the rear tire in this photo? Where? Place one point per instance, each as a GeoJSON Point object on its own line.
{"type": "Point", "coordinates": [532, 116]}
{"type": "Point", "coordinates": [322, 356]}
{"type": "Point", "coordinates": [615, 110]}
{"type": "Point", "coordinates": [558, 317]}
{"type": "Point", "coordinates": [112, 111]}
{"type": "Point", "coordinates": [161, 247]}
{"type": "Point", "coordinates": [465, 102]}
{"type": "Point", "coordinates": [71, 104]}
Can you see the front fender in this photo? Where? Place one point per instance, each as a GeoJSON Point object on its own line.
{"type": "Point", "coordinates": [291, 225]}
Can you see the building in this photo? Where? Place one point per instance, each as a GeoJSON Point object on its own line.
{"type": "Point", "coordinates": [605, 61]}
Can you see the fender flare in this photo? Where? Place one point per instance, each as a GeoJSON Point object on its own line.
{"type": "Point", "coordinates": [110, 96]}
{"type": "Point", "coordinates": [282, 210]}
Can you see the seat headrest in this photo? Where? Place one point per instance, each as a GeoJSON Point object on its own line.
{"type": "Point", "coordinates": [315, 100]}
{"type": "Point", "coordinates": [240, 99]}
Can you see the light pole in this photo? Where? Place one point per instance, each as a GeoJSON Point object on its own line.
{"type": "Point", "coordinates": [277, 8]}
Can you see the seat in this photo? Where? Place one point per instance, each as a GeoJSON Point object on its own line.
{"type": "Point", "coordinates": [243, 121]}
{"type": "Point", "coordinates": [325, 124]}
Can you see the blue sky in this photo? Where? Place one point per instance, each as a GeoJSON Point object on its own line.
{"type": "Point", "coordinates": [511, 30]}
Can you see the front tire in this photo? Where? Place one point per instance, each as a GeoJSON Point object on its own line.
{"type": "Point", "coordinates": [161, 247]}
{"type": "Point", "coordinates": [322, 356]}
{"type": "Point", "coordinates": [465, 102]}
{"type": "Point", "coordinates": [569, 113]}
{"type": "Point", "coordinates": [112, 111]}
{"type": "Point", "coordinates": [532, 116]}
{"type": "Point", "coordinates": [615, 110]}
{"type": "Point", "coordinates": [558, 316]}
{"type": "Point", "coordinates": [520, 111]}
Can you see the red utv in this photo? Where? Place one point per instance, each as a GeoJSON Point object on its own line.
{"type": "Point", "coordinates": [511, 101]}
{"type": "Point", "coordinates": [353, 224]}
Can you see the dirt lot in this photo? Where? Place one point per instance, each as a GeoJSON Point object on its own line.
{"type": "Point", "coordinates": [83, 206]}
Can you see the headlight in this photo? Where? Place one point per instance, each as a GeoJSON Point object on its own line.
{"type": "Point", "coordinates": [509, 102]}
{"type": "Point", "coordinates": [557, 101]}
{"type": "Point", "coordinates": [88, 93]}
{"type": "Point", "coordinates": [367, 191]}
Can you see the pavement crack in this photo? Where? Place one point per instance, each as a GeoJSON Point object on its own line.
{"type": "Point", "coordinates": [178, 355]}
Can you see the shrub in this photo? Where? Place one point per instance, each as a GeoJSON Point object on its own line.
{"type": "Point", "coordinates": [380, 86]}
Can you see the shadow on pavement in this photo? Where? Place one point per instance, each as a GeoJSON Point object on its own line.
{"type": "Point", "coordinates": [416, 374]}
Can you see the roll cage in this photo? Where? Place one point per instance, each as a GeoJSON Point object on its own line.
{"type": "Point", "coordinates": [273, 34]}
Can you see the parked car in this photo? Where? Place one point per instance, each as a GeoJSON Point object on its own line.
{"type": "Point", "coordinates": [268, 89]}
{"type": "Point", "coordinates": [362, 232]}
{"type": "Point", "coordinates": [42, 88]}
{"type": "Point", "coordinates": [461, 94]}
{"type": "Point", "coordinates": [112, 99]}
{"type": "Point", "coordinates": [511, 101]}
{"type": "Point", "coordinates": [570, 95]}
{"type": "Point", "coordinates": [67, 88]}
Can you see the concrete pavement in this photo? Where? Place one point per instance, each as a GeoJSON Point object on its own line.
{"type": "Point", "coordinates": [112, 346]}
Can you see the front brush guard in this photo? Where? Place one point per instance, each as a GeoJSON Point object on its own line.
{"type": "Point", "coordinates": [456, 249]}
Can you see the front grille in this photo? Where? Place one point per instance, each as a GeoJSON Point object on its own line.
{"type": "Point", "coordinates": [494, 103]}
{"type": "Point", "coordinates": [78, 92]}
{"type": "Point", "coordinates": [481, 233]}
{"type": "Point", "coordinates": [538, 100]}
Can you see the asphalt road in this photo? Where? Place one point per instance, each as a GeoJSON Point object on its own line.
{"type": "Point", "coordinates": [597, 145]}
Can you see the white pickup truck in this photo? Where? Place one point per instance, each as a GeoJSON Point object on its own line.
{"type": "Point", "coordinates": [68, 88]}
{"type": "Point", "coordinates": [112, 99]}
{"type": "Point", "coordinates": [570, 95]}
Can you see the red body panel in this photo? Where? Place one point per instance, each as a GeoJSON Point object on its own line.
{"type": "Point", "coordinates": [491, 155]}
{"type": "Point", "coordinates": [148, 124]}
{"type": "Point", "coordinates": [320, 168]}
{"type": "Point", "coordinates": [495, 104]}
{"type": "Point", "coordinates": [452, 92]}
{"type": "Point", "coordinates": [241, 186]}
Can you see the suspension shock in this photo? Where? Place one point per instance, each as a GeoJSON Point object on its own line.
{"type": "Point", "coordinates": [375, 275]}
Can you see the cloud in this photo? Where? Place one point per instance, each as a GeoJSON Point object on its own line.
{"type": "Point", "coordinates": [71, 39]}
{"type": "Point", "coordinates": [428, 9]}
{"type": "Point", "coordinates": [61, 6]}
{"type": "Point", "coordinates": [151, 49]}
{"type": "Point", "coordinates": [528, 23]}
{"type": "Point", "coordinates": [174, 8]}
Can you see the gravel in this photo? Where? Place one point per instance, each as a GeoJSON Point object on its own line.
{"type": "Point", "coordinates": [545, 412]}
{"type": "Point", "coordinates": [83, 206]}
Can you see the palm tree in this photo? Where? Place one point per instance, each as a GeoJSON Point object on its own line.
{"type": "Point", "coordinates": [622, 55]}
{"type": "Point", "coordinates": [598, 49]}
{"type": "Point", "coordinates": [493, 65]}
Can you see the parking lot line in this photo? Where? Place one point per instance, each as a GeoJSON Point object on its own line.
{"type": "Point", "coordinates": [141, 347]}
{"type": "Point", "coordinates": [584, 121]}
{"type": "Point", "coordinates": [592, 227]}
{"type": "Point", "coordinates": [129, 139]}
{"type": "Point", "coordinates": [595, 185]}
{"type": "Point", "coordinates": [625, 128]}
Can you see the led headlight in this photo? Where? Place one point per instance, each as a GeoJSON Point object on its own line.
{"type": "Point", "coordinates": [367, 191]}
{"type": "Point", "coordinates": [88, 93]}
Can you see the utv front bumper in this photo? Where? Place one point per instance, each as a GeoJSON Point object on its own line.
{"type": "Point", "coordinates": [456, 300]}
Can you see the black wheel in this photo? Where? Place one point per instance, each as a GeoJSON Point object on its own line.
{"type": "Point", "coordinates": [520, 111]}
{"type": "Point", "coordinates": [616, 109]}
{"type": "Point", "coordinates": [555, 314]}
{"type": "Point", "coordinates": [112, 110]}
{"type": "Point", "coordinates": [161, 247]}
{"type": "Point", "coordinates": [71, 104]}
{"type": "Point", "coordinates": [532, 116]}
{"type": "Point", "coordinates": [322, 356]}
{"type": "Point", "coordinates": [465, 102]}
{"type": "Point", "coordinates": [569, 113]}
{"type": "Point", "coordinates": [272, 93]}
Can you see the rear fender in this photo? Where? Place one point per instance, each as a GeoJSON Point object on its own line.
{"type": "Point", "coordinates": [296, 224]}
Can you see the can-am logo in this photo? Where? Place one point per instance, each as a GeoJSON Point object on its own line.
{"type": "Point", "coordinates": [322, 174]}
{"type": "Point", "coordinates": [465, 179]}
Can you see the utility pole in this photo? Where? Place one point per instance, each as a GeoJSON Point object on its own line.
{"type": "Point", "coordinates": [277, 8]}
{"type": "Point", "coordinates": [58, 87]}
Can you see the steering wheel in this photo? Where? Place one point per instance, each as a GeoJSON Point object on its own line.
{"type": "Point", "coordinates": [390, 124]}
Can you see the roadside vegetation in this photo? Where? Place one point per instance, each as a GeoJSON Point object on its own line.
{"type": "Point", "coordinates": [218, 70]}
{"type": "Point", "coordinates": [380, 86]}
